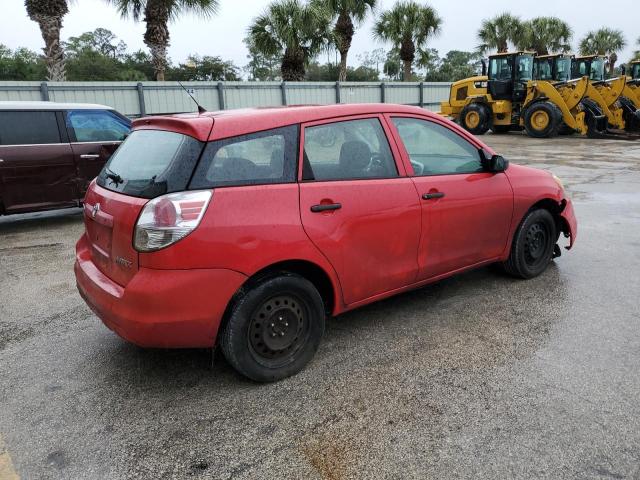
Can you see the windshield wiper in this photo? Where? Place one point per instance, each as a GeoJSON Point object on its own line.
{"type": "Point", "coordinates": [114, 177]}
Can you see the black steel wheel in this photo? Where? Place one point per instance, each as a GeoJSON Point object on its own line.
{"type": "Point", "coordinates": [278, 329]}
{"type": "Point", "coordinates": [274, 327]}
{"type": "Point", "coordinates": [532, 247]}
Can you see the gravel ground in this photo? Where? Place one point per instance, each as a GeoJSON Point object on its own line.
{"type": "Point", "coordinates": [478, 376]}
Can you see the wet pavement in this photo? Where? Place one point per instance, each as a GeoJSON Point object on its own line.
{"type": "Point", "coordinates": [478, 376]}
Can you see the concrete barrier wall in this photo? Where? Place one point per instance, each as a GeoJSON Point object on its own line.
{"type": "Point", "coordinates": [145, 98]}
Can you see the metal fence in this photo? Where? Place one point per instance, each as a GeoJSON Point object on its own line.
{"type": "Point", "coordinates": [146, 98]}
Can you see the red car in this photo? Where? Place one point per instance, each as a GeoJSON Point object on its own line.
{"type": "Point", "coordinates": [247, 228]}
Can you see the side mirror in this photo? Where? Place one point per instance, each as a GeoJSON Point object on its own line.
{"type": "Point", "coordinates": [493, 163]}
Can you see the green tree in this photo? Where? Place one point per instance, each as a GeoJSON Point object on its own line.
{"type": "Point", "coordinates": [21, 64]}
{"type": "Point", "coordinates": [372, 59]}
{"type": "Point", "coordinates": [206, 68]}
{"type": "Point", "coordinates": [392, 67]}
{"type": "Point", "coordinates": [348, 14]}
{"type": "Point", "coordinates": [327, 72]}
{"type": "Point", "coordinates": [157, 14]}
{"type": "Point", "coordinates": [48, 15]}
{"type": "Point", "coordinates": [261, 66]}
{"type": "Point", "coordinates": [408, 26]}
{"type": "Point", "coordinates": [293, 30]}
{"type": "Point", "coordinates": [497, 32]}
{"type": "Point", "coordinates": [604, 41]}
{"type": "Point", "coordinates": [455, 66]}
{"type": "Point", "coordinates": [544, 35]}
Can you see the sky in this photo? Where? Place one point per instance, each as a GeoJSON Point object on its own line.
{"type": "Point", "coordinates": [222, 35]}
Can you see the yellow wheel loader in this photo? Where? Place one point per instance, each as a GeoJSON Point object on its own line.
{"type": "Point", "coordinates": [615, 98]}
{"type": "Point", "coordinates": [633, 83]}
{"type": "Point", "coordinates": [508, 98]}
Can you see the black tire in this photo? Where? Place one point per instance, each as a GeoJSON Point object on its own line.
{"type": "Point", "coordinates": [479, 111]}
{"type": "Point", "coordinates": [532, 247]}
{"type": "Point", "coordinates": [501, 128]}
{"type": "Point", "coordinates": [542, 110]}
{"type": "Point", "coordinates": [274, 328]}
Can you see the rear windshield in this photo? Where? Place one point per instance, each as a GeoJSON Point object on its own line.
{"type": "Point", "coordinates": [150, 163]}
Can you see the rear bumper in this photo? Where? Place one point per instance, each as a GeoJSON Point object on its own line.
{"type": "Point", "coordinates": [159, 308]}
{"type": "Point", "coordinates": [571, 224]}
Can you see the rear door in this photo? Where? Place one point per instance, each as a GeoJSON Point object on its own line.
{"type": "Point", "coordinates": [37, 169]}
{"type": "Point", "coordinates": [94, 135]}
{"type": "Point", "coordinates": [357, 205]}
{"type": "Point", "coordinates": [466, 211]}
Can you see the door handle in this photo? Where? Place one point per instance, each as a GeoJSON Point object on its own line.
{"type": "Point", "coordinates": [429, 196]}
{"type": "Point", "coordinates": [324, 207]}
{"type": "Point", "coordinates": [90, 155]}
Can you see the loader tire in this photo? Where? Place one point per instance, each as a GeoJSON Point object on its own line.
{"type": "Point", "coordinates": [475, 118]}
{"type": "Point", "coordinates": [542, 120]}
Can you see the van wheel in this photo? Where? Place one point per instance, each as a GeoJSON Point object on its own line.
{"type": "Point", "coordinates": [542, 120]}
{"type": "Point", "coordinates": [532, 247]}
{"type": "Point", "coordinates": [274, 328]}
{"type": "Point", "coordinates": [475, 118]}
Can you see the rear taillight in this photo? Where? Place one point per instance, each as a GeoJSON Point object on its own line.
{"type": "Point", "coordinates": [167, 219]}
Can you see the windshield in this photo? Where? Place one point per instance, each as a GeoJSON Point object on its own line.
{"type": "Point", "coordinates": [542, 69]}
{"type": "Point", "coordinates": [597, 69]}
{"type": "Point", "coordinates": [525, 68]}
{"type": "Point", "coordinates": [563, 66]}
{"type": "Point", "coordinates": [150, 163]}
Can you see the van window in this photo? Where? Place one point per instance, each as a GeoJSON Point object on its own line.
{"type": "Point", "coordinates": [97, 126]}
{"type": "Point", "coordinates": [28, 128]}
{"type": "Point", "coordinates": [257, 158]}
{"type": "Point", "coordinates": [150, 163]}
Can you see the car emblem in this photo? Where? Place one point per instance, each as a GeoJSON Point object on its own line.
{"type": "Point", "coordinates": [96, 209]}
{"type": "Point", "coordinates": [124, 262]}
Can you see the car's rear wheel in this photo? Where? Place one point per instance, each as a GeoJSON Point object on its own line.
{"type": "Point", "coordinates": [532, 247]}
{"type": "Point", "coordinates": [274, 329]}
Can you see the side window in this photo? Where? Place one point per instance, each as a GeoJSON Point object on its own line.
{"type": "Point", "coordinates": [28, 127]}
{"type": "Point", "coordinates": [436, 150]}
{"type": "Point", "coordinates": [97, 126]}
{"type": "Point", "coordinates": [257, 158]}
{"type": "Point", "coordinates": [347, 150]}
{"type": "Point", "coordinates": [500, 68]}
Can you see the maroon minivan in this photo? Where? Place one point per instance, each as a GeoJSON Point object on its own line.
{"type": "Point", "coordinates": [49, 152]}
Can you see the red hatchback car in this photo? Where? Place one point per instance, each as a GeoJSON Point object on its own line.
{"type": "Point", "coordinates": [247, 228]}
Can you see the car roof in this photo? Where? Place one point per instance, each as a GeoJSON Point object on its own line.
{"type": "Point", "coordinates": [228, 123]}
{"type": "Point", "coordinates": [51, 106]}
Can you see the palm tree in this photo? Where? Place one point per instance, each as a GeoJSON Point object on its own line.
{"type": "Point", "coordinates": [157, 14]}
{"type": "Point", "coordinates": [636, 54]}
{"type": "Point", "coordinates": [294, 30]}
{"type": "Point", "coordinates": [348, 13]}
{"type": "Point", "coordinates": [48, 15]}
{"type": "Point", "coordinates": [605, 41]}
{"type": "Point", "coordinates": [497, 32]}
{"type": "Point", "coordinates": [544, 35]}
{"type": "Point", "coordinates": [408, 26]}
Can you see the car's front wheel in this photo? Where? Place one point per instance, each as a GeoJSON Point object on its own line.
{"type": "Point", "coordinates": [274, 328]}
{"type": "Point", "coordinates": [532, 247]}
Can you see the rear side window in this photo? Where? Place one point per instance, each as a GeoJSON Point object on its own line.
{"type": "Point", "coordinates": [150, 163]}
{"type": "Point", "coordinates": [97, 126]}
{"type": "Point", "coordinates": [258, 158]}
{"type": "Point", "coordinates": [26, 128]}
{"type": "Point", "coordinates": [347, 150]}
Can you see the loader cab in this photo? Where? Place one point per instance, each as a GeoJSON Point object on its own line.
{"type": "Point", "coordinates": [509, 74]}
{"type": "Point", "coordinates": [591, 66]}
{"type": "Point", "coordinates": [634, 70]}
{"type": "Point", "coordinates": [552, 68]}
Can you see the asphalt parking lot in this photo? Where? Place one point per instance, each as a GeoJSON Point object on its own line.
{"type": "Point", "coordinates": [478, 376]}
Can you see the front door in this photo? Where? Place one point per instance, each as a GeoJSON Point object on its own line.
{"type": "Point", "coordinates": [357, 208]}
{"type": "Point", "coordinates": [466, 212]}
{"type": "Point", "coordinates": [95, 135]}
{"type": "Point", "coordinates": [37, 170]}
